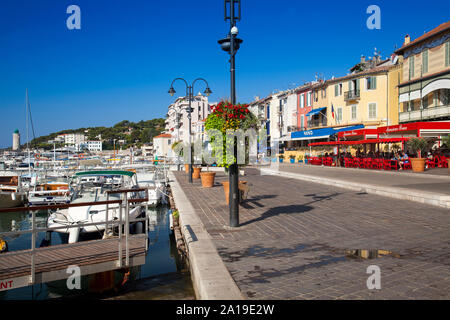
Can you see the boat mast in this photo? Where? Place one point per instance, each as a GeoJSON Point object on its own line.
{"type": "Point", "coordinates": [28, 138]}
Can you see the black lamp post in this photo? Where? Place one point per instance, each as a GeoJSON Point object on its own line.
{"type": "Point", "coordinates": [231, 45]}
{"type": "Point", "coordinates": [190, 97]}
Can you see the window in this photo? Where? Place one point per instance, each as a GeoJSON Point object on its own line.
{"type": "Point", "coordinates": [371, 83]}
{"type": "Point", "coordinates": [324, 91]}
{"type": "Point", "coordinates": [268, 112]}
{"type": "Point", "coordinates": [302, 122]}
{"type": "Point", "coordinates": [339, 115]}
{"type": "Point", "coordinates": [425, 61]}
{"type": "Point", "coordinates": [302, 100]}
{"type": "Point", "coordinates": [336, 90]}
{"type": "Point", "coordinates": [308, 102]}
{"type": "Point", "coordinates": [411, 67]}
{"type": "Point", "coordinates": [354, 115]}
{"type": "Point", "coordinates": [447, 53]}
{"type": "Point", "coordinates": [425, 102]}
{"type": "Point", "coordinates": [372, 110]}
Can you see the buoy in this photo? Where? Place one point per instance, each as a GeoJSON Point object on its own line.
{"type": "Point", "coordinates": [3, 246]}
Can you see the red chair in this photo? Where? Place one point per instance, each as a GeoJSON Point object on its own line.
{"type": "Point", "coordinates": [348, 163]}
{"type": "Point", "coordinates": [407, 166]}
{"type": "Point", "coordinates": [432, 163]}
{"type": "Point", "coordinates": [377, 164]}
{"type": "Point", "coordinates": [390, 164]}
{"type": "Point", "coordinates": [443, 162]}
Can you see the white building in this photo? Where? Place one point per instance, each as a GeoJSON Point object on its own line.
{"type": "Point", "coordinates": [162, 145]}
{"type": "Point", "coordinates": [74, 139]}
{"type": "Point", "coordinates": [147, 151]}
{"type": "Point", "coordinates": [94, 146]}
{"type": "Point", "coordinates": [177, 122]}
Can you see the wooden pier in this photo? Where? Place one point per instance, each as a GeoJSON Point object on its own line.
{"type": "Point", "coordinates": [22, 268]}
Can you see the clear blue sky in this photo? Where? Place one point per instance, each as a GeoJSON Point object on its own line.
{"type": "Point", "coordinates": [120, 64]}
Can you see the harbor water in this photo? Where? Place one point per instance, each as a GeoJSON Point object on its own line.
{"type": "Point", "coordinates": [161, 277]}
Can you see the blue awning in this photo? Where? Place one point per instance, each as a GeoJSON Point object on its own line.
{"type": "Point", "coordinates": [315, 111]}
{"type": "Point", "coordinates": [322, 133]}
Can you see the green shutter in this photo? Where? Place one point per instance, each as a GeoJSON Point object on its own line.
{"type": "Point", "coordinates": [411, 67]}
{"type": "Point", "coordinates": [357, 85]}
{"type": "Point", "coordinates": [374, 83]}
{"type": "Point", "coordinates": [336, 90]}
{"type": "Point", "coordinates": [425, 61]}
{"type": "Point", "coordinates": [447, 53]}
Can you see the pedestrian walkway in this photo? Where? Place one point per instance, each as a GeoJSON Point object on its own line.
{"type": "Point", "coordinates": [302, 240]}
{"type": "Point", "coordinates": [424, 188]}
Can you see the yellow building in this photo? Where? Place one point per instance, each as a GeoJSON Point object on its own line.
{"type": "Point", "coordinates": [425, 92]}
{"type": "Point", "coordinates": [366, 97]}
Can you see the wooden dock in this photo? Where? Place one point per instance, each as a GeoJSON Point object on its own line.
{"type": "Point", "coordinates": [51, 263]}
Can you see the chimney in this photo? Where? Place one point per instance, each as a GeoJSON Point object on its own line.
{"type": "Point", "coordinates": [407, 39]}
{"type": "Point", "coordinates": [363, 59]}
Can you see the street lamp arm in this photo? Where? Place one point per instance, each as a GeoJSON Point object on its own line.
{"type": "Point", "coordinates": [187, 85]}
{"type": "Point", "coordinates": [207, 91]}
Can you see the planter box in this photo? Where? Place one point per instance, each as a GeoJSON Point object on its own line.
{"type": "Point", "coordinates": [292, 160]}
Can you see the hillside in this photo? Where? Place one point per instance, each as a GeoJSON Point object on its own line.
{"type": "Point", "coordinates": [133, 133]}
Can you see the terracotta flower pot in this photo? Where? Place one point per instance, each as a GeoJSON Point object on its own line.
{"type": "Point", "coordinates": [448, 161]}
{"type": "Point", "coordinates": [207, 179]}
{"type": "Point", "coordinates": [226, 189]}
{"type": "Point", "coordinates": [186, 168]}
{"type": "Point", "coordinates": [418, 164]}
{"type": "Point", "coordinates": [196, 174]}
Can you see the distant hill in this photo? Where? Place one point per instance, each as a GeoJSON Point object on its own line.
{"type": "Point", "coordinates": [133, 133]}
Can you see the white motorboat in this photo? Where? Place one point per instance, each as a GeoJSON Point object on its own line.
{"type": "Point", "coordinates": [11, 192]}
{"type": "Point", "coordinates": [50, 192]}
{"type": "Point", "coordinates": [93, 186]}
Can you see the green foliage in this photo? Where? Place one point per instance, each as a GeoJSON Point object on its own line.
{"type": "Point", "coordinates": [176, 214]}
{"type": "Point", "coordinates": [446, 141]}
{"type": "Point", "coordinates": [226, 116]}
{"type": "Point", "coordinates": [418, 145]}
{"type": "Point", "coordinates": [142, 132]}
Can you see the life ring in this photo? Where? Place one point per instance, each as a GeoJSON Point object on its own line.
{"type": "Point", "coordinates": [37, 156]}
{"type": "Point", "coordinates": [81, 156]}
{"type": "Point", "coordinates": [3, 246]}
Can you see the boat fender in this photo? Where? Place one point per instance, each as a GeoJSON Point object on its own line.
{"type": "Point", "coordinates": [139, 228]}
{"type": "Point", "coordinates": [13, 196]}
{"type": "Point", "coordinates": [74, 233]}
{"type": "Point", "coordinates": [3, 246]}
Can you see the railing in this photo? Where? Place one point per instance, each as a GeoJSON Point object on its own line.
{"type": "Point", "coordinates": [427, 113]}
{"type": "Point", "coordinates": [317, 123]}
{"type": "Point", "coordinates": [293, 129]}
{"type": "Point", "coordinates": [125, 202]}
{"type": "Point", "coordinates": [352, 95]}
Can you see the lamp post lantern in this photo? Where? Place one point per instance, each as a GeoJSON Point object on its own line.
{"type": "Point", "coordinates": [231, 45]}
{"type": "Point", "coordinates": [190, 97]}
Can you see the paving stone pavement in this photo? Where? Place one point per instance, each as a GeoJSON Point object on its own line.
{"type": "Point", "coordinates": [299, 240]}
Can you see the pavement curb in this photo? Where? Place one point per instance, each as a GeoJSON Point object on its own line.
{"type": "Point", "coordinates": [210, 277]}
{"type": "Point", "coordinates": [439, 200]}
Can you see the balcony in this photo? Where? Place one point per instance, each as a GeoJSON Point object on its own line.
{"type": "Point", "coordinates": [293, 129]}
{"type": "Point", "coordinates": [425, 114]}
{"type": "Point", "coordinates": [317, 123]}
{"type": "Point", "coordinates": [352, 95]}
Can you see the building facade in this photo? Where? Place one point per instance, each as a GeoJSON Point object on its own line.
{"type": "Point", "coordinates": [162, 145]}
{"type": "Point", "coordinates": [177, 121]}
{"type": "Point", "coordinates": [424, 95]}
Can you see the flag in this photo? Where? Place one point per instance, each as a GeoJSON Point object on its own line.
{"type": "Point", "coordinates": [332, 111]}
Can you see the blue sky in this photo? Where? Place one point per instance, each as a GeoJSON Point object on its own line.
{"type": "Point", "coordinates": [120, 64]}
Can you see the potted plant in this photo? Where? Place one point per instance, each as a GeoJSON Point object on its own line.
{"type": "Point", "coordinates": [226, 116]}
{"type": "Point", "coordinates": [292, 158]}
{"type": "Point", "coordinates": [196, 173]}
{"type": "Point", "coordinates": [446, 141]}
{"type": "Point", "coordinates": [280, 158]}
{"type": "Point", "coordinates": [300, 158]}
{"type": "Point", "coordinates": [419, 146]}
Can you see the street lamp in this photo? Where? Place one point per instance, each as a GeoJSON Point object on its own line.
{"type": "Point", "coordinates": [190, 96]}
{"type": "Point", "coordinates": [231, 45]}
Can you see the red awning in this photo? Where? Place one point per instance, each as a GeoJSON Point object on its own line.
{"type": "Point", "coordinates": [349, 143]}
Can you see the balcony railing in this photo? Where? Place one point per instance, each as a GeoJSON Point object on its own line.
{"type": "Point", "coordinates": [425, 114]}
{"type": "Point", "coordinates": [352, 95]}
{"type": "Point", "coordinates": [317, 123]}
{"type": "Point", "coordinates": [293, 129]}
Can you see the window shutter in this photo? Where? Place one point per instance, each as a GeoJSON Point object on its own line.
{"type": "Point", "coordinates": [357, 84]}
{"type": "Point", "coordinates": [425, 61]}
{"type": "Point", "coordinates": [447, 53]}
{"type": "Point", "coordinates": [374, 83]}
{"type": "Point", "coordinates": [336, 88]}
